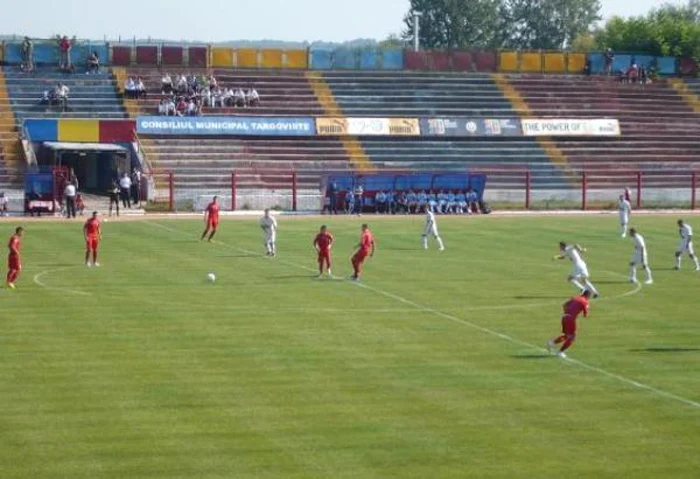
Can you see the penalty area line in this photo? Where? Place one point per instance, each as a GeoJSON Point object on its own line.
{"type": "Point", "coordinates": [490, 332]}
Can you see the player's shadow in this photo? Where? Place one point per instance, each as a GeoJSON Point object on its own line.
{"type": "Point", "coordinates": [670, 349]}
{"type": "Point", "coordinates": [612, 282]}
{"type": "Point", "coordinates": [242, 255]}
{"type": "Point", "coordinates": [292, 276]}
{"type": "Point", "coordinates": [536, 297]}
{"type": "Point", "coordinates": [531, 356]}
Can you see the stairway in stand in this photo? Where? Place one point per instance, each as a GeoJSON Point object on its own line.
{"type": "Point", "coordinates": [11, 167]}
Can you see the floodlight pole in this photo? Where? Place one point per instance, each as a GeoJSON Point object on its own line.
{"type": "Point", "coordinates": [416, 30]}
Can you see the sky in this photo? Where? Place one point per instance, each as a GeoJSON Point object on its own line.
{"type": "Point", "coordinates": [222, 20]}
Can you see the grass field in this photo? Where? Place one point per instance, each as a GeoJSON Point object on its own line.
{"type": "Point", "coordinates": [433, 366]}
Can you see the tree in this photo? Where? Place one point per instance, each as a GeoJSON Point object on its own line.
{"type": "Point", "coordinates": [546, 24]}
{"type": "Point", "coordinates": [669, 30]}
{"type": "Point", "coordinates": [392, 41]}
{"type": "Point", "coordinates": [454, 23]}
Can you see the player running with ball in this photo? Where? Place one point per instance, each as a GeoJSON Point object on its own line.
{"type": "Point", "coordinates": [580, 270]}
{"type": "Point", "coordinates": [431, 230]}
{"type": "Point", "coordinates": [572, 309]}
{"type": "Point", "coordinates": [686, 245]}
{"type": "Point", "coordinates": [323, 244]}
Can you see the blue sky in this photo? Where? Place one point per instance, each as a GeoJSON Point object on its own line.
{"type": "Point", "coordinates": [219, 20]}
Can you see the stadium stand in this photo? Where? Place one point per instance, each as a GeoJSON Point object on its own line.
{"type": "Point", "coordinates": [10, 151]}
{"type": "Point", "coordinates": [659, 128]}
{"type": "Point", "coordinates": [91, 96]}
{"type": "Point", "coordinates": [282, 93]}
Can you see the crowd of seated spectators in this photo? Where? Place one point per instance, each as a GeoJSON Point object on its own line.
{"type": "Point", "coordinates": [457, 202]}
{"type": "Point", "coordinates": [186, 95]}
{"type": "Point", "coordinates": [57, 96]}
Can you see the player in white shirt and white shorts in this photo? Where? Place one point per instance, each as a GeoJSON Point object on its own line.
{"type": "Point", "coordinates": [579, 271]}
{"type": "Point", "coordinates": [686, 245]}
{"type": "Point", "coordinates": [625, 210]}
{"type": "Point", "coordinates": [639, 257]}
{"type": "Point", "coordinates": [431, 230]}
{"type": "Point", "coordinates": [269, 227]}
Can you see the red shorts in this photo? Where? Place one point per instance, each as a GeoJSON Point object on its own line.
{"type": "Point", "coordinates": [568, 325]}
{"type": "Point", "coordinates": [324, 256]}
{"type": "Point", "coordinates": [213, 224]}
{"type": "Point", "coordinates": [360, 256]}
{"type": "Point", "coordinates": [92, 243]}
{"type": "Point", "coordinates": [13, 262]}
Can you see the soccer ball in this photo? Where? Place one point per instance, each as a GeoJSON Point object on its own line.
{"type": "Point", "coordinates": [211, 277]}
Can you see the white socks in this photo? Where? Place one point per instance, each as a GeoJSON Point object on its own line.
{"type": "Point", "coordinates": [577, 284]}
{"type": "Point", "coordinates": [424, 240]}
{"type": "Point", "coordinates": [590, 287]}
{"type": "Point", "coordinates": [440, 244]}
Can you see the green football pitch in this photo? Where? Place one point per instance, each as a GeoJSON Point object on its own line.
{"type": "Point", "coordinates": [432, 366]}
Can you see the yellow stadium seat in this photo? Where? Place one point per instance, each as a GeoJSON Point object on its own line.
{"type": "Point", "coordinates": [271, 58]}
{"type": "Point", "coordinates": [247, 58]}
{"type": "Point", "coordinates": [576, 62]}
{"type": "Point", "coordinates": [508, 62]}
{"type": "Point", "coordinates": [554, 63]}
{"type": "Point", "coordinates": [531, 62]}
{"type": "Point", "coordinates": [221, 57]}
{"type": "Point", "coordinates": [297, 59]}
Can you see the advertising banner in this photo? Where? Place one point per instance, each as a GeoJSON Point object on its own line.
{"type": "Point", "coordinates": [570, 127]}
{"type": "Point", "coordinates": [476, 127]}
{"type": "Point", "coordinates": [368, 126]}
{"type": "Point", "coordinates": [225, 125]}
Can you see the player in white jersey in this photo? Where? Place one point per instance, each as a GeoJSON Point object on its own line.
{"type": "Point", "coordinates": [639, 257]}
{"type": "Point", "coordinates": [686, 245]}
{"type": "Point", "coordinates": [431, 230]}
{"type": "Point", "coordinates": [580, 269]}
{"type": "Point", "coordinates": [269, 227]}
{"type": "Point", "coordinates": [625, 209]}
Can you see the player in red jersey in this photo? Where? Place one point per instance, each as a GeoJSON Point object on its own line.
{"type": "Point", "coordinates": [211, 218]}
{"type": "Point", "coordinates": [364, 249]}
{"type": "Point", "coordinates": [93, 235]}
{"type": "Point", "coordinates": [323, 244]}
{"type": "Point", "coordinates": [572, 309]}
{"type": "Point", "coordinates": [14, 265]}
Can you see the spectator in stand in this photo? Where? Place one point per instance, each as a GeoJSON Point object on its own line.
{"type": "Point", "coordinates": [609, 57]}
{"type": "Point", "coordinates": [380, 202]}
{"type": "Point", "coordinates": [27, 55]}
{"type": "Point", "coordinates": [61, 94]}
{"type": "Point", "coordinates": [227, 97]}
{"type": "Point", "coordinates": [252, 97]}
{"type": "Point", "coordinates": [125, 190]}
{"type": "Point", "coordinates": [64, 47]}
{"type": "Point", "coordinates": [93, 63]}
{"type": "Point", "coordinates": [643, 75]}
{"type": "Point", "coordinates": [170, 107]}
{"type": "Point", "coordinates": [206, 97]}
{"type": "Point", "coordinates": [130, 88]}
{"type": "Point", "coordinates": [163, 107]}
{"type": "Point", "coordinates": [239, 97]}
{"type": "Point", "coordinates": [79, 204]}
{"type": "Point", "coordinates": [192, 108]}
{"type": "Point", "coordinates": [442, 202]}
{"type": "Point", "coordinates": [140, 88]}
{"type": "Point", "coordinates": [391, 197]}
{"type": "Point", "coordinates": [472, 201]}
{"type": "Point", "coordinates": [181, 84]}
{"type": "Point", "coordinates": [3, 204]}
{"type": "Point", "coordinates": [181, 107]}
{"type": "Point", "coordinates": [166, 85]}
{"type": "Point", "coordinates": [69, 193]}
{"type": "Point", "coordinates": [451, 206]}
{"type": "Point", "coordinates": [74, 179]}
{"type": "Point", "coordinates": [212, 82]}
{"type": "Point", "coordinates": [633, 73]}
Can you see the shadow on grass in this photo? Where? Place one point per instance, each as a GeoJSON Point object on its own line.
{"type": "Point", "coordinates": [239, 256]}
{"type": "Point", "coordinates": [531, 356]}
{"type": "Point", "coordinates": [612, 282]}
{"type": "Point", "coordinates": [670, 349]}
{"type": "Point", "coordinates": [292, 276]}
{"type": "Point", "coordinates": [539, 297]}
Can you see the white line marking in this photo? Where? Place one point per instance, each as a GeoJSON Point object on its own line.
{"type": "Point", "coordinates": [482, 329]}
{"type": "Point", "coordinates": [38, 276]}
